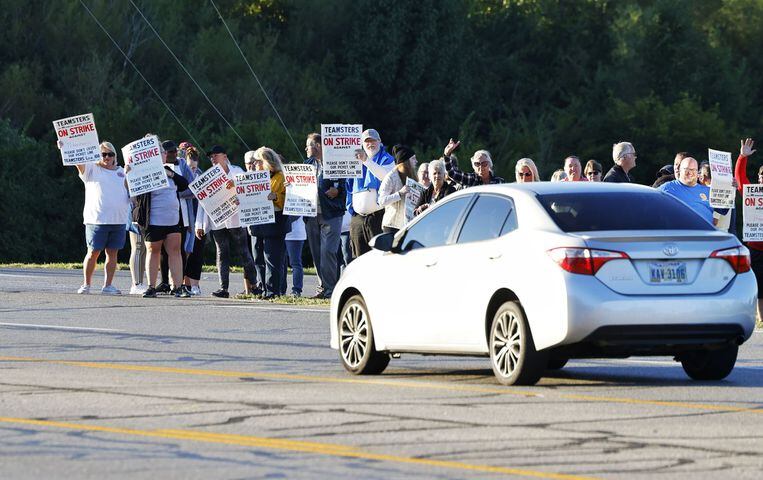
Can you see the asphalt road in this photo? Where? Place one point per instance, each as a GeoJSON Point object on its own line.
{"type": "Point", "coordinates": [126, 387]}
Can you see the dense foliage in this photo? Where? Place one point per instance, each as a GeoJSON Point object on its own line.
{"type": "Point", "coordinates": [535, 78]}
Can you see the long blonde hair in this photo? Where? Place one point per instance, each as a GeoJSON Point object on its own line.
{"type": "Point", "coordinates": [527, 162]}
{"type": "Point", "coordinates": [270, 158]}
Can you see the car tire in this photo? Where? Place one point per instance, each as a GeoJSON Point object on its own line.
{"type": "Point", "coordinates": [556, 363]}
{"type": "Point", "coordinates": [512, 350]}
{"type": "Point", "coordinates": [356, 340]}
{"type": "Point", "coordinates": [710, 364]}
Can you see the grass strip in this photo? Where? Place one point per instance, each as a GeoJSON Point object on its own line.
{"type": "Point", "coordinates": [286, 299]}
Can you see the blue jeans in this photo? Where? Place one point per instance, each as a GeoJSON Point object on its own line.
{"type": "Point", "coordinates": [294, 255]}
{"type": "Point", "coordinates": [345, 251]}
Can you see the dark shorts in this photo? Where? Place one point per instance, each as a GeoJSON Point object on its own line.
{"type": "Point", "coordinates": [157, 233]}
{"type": "Point", "coordinates": [756, 258]}
{"type": "Point", "coordinates": [101, 237]}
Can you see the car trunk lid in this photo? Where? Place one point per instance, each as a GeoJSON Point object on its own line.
{"type": "Point", "coordinates": [663, 262]}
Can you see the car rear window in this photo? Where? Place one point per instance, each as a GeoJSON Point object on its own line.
{"type": "Point", "coordinates": [585, 212]}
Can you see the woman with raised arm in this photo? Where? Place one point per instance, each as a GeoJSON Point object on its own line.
{"type": "Point", "coordinates": [756, 248]}
{"type": "Point", "coordinates": [481, 161]}
{"type": "Point", "coordinates": [107, 206]}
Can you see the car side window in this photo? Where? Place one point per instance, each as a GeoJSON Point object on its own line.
{"type": "Point", "coordinates": [434, 229]}
{"type": "Point", "coordinates": [511, 223]}
{"type": "Point", "coordinates": [489, 217]}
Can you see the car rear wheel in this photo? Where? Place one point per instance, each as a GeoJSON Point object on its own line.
{"type": "Point", "coordinates": [710, 364]}
{"type": "Point", "coordinates": [512, 350]}
{"type": "Point", "coordinates": [356, 340]}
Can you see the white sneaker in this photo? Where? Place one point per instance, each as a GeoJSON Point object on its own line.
{"type": "Point", "coordinates": [110, 290]}
{"type": "Point", "coordinates": [84, 290]}
{"type": "Point", "coordinates": [138, 289]}
{"type": "Point", "coordinates": [195, 290]}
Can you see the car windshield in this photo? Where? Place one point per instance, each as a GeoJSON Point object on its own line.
{"type": "Point", "coordinates": [586, 212]}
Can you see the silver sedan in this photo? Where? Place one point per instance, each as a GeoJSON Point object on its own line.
{"type": "Point", "coordinates": [532, 275]}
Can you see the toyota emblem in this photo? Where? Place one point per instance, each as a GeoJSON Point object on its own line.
{"type": "Point", "coordinates": [670, 250]}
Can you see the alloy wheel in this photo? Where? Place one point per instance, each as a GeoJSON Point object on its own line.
{"type": "Point", "coordinates": [354, 335]}
{"type": "Point", "coordinates": [507, 343]}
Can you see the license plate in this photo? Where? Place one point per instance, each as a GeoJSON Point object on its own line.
{"type": "Point", "coordinates": [667, 272]}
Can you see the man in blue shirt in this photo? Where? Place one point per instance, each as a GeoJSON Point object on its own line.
{"type": "Point", "coordinates": [366, 212]}
{"type": "Point", "coordinates": [686, 189]}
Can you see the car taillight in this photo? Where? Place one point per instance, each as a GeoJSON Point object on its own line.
{"type": "Point", "coordinates": [585, 261]}
{"type": "Point", "coordinates": [738, 258]}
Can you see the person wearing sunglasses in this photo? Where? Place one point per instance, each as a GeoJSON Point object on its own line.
{"type": "Point", "coordinates": [593, 170]}
{"type": "Point", "coordinates": [526, 171]}
{"type": "Point", "coordinates": [107, 205]}
{"type": "Point", "coordinates": [274, 234]}
{"type": "Point", "coordinates": [481, 162]}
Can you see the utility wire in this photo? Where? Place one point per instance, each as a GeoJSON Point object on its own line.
{"type": "Point", "coordinates": [196, 142]}
{"type": "Point", "coordinates": [189, 74]}
{"type": "Point", "coordinates": [299, 152]}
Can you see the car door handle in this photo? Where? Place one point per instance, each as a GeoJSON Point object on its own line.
{"type": "Point", "coordinates": [430, 263]}
{"type": "Point", "coordinates": [495, 256]}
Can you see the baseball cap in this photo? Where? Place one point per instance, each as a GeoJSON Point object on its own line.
{"type": "Point", "coordinates": [370, 133]}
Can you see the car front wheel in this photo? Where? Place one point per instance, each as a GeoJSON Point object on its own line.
{"type": "Point", "coordinates": [710, 364]}
{"type": "Point", "coordinates": [512, 350]}
{"type": "Point", "coordinates": [356, 340]}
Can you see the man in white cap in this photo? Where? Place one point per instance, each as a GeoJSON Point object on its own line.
{"type": "Point", "coordinates": [366, 212]}
{"type": "Point", "coordinates": [624, 155]}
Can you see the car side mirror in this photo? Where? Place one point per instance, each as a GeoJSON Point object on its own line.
{"type": "Point", "coordinates": [383, 242]}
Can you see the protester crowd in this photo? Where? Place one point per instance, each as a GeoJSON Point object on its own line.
{"type": "Point", "coordinates": [168, 228]}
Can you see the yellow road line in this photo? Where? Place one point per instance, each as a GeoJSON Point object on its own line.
{"type": "Point", "coordinates": [289, 445]}
{"type": "Point", "coordinates": [390, 383]}
{"type": "Point", "coordinates": [661, 403]}
{"type": "Point", "coordinates": [275, 376]}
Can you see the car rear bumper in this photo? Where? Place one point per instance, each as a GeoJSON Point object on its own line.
{"type": "Point", "coordinates": [596, 315]}
{"type": "Point", "coordinates": [651, 339]}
